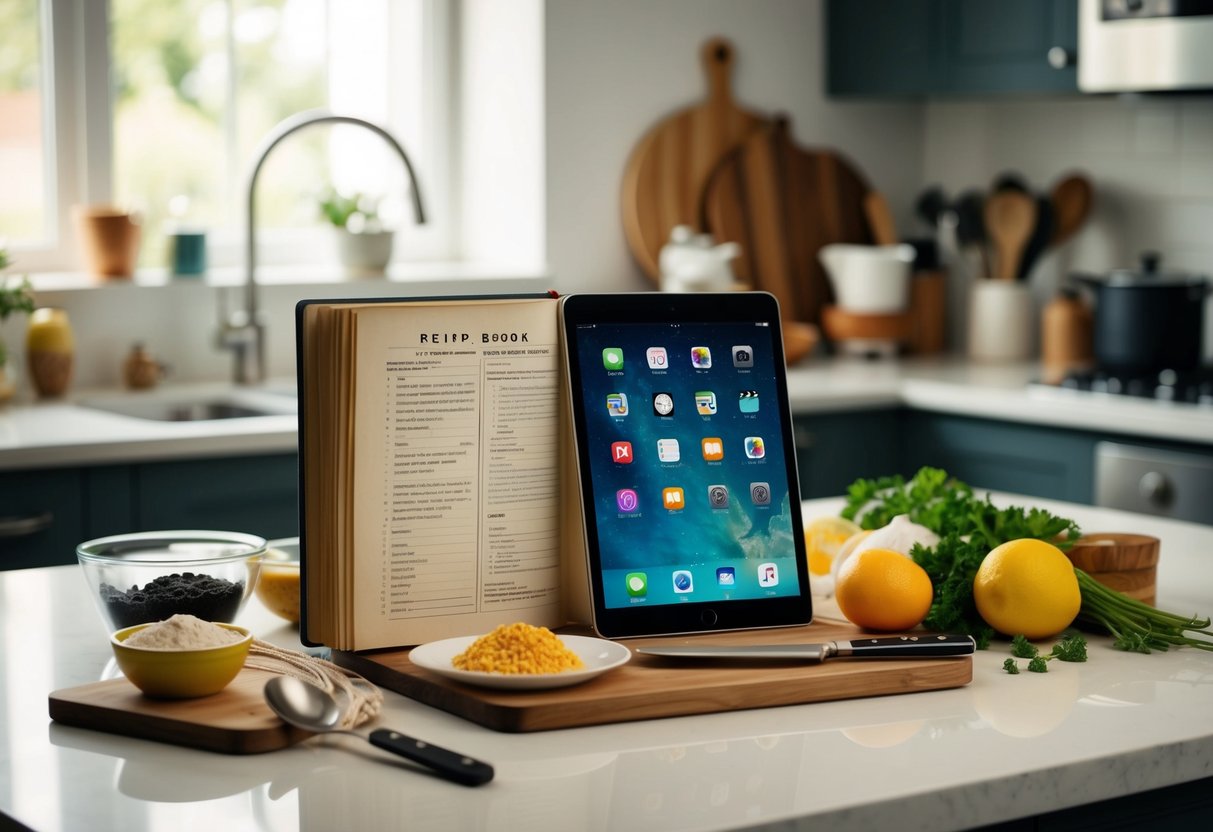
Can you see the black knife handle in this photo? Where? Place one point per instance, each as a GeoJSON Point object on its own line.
{"type": "Point", "coordinates": [457, 767]}
{"type": "Point", "coordinates": [892, 647]}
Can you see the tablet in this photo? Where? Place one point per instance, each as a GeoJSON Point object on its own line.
{"type": "Point", "coordinates": [686, 462]}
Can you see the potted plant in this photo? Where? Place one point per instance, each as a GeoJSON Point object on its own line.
{"type": "Point", "coordinates": [363, 244]}
{"type": "Point", "coordinates": [15, 296]}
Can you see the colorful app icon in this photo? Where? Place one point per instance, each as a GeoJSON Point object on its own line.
{"type": "Point", "coordinates": [612, 358]}
{"type": "Point", "coordinates": [621, 452]}
{"type": "Point", "coordinates": [617, 404]}
{"type": "Point", "coordinates": [743, 356]}
{"type": "Point", "coordinates": [747, 400]}
{"type": "Point", "coordinates": [626, 499]}
{"type": "Point", "coordinates": [726, 576]}
{"type": "Point", "coordinates": [663, 404]}
{"type": "Point", "coordinates": [705, 403]}
{"type": "Point", "coordinates": [768, 574]}
{"type": "Point", "coordinates": [657, 358]}
{"type": "Point", "coordinates": [701, 358]}
{"type": "Point", "coordinates": [755, 448]}
{"type": "Point", "coordinates": [718, 496]}
{"type": "Point", "coordinates": [760, 493]}
{"type": "Point", "coordinates": [637, 584]}
{"type": "Point", "coordinates": [713, 448]}
{"type": "Point", "coordinates": [673, 498]}
{"type": "Point", "coordinates": [668, 451]}
{"type": "Point", "coordinates": [683, 582]}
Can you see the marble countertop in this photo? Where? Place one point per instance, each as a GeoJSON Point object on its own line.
{"type": "Point", "coordinates": [66, 432]}
{"type": "Point", "coordinates": [999, 748]}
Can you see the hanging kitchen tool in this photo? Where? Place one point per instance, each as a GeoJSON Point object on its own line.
{"type": "Point", "coordinates": [1010, 217]}
{"type": "Point", "coordinates": [782, 203]}
{"type": "Point", "coordinates": [667, 170]}
{"type": "Point", "coordinates": [1072, 197]}
{"type": "Point", "coordinates": [930, 204]}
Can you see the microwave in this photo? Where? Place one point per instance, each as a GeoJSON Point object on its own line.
{"type": "Point", "coordinates": [1145, 45]}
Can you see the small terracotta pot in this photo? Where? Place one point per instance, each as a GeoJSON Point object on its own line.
{"type": "Point", "coordinates": [109, 240]}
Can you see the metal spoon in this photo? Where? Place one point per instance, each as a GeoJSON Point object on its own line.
{"type": "Point", "coordinates": [308, 707]}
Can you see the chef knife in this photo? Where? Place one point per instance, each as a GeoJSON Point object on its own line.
{"type": "Point", "coordinates": [887, 647]}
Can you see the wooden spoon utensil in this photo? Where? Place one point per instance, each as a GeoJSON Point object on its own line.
{"type": "Point", "coordinates": [1010, 218]}
{"type": "Point", "coordinates": [1071, 197]}
{"type": "Point", "coordinates": [880, 219]}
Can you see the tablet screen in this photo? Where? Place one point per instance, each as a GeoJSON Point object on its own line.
{"type": "Point", "coordinates": [687, 466]}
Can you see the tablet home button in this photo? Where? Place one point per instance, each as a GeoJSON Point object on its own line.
{"type": "Point", "coordinates": [708, 617]}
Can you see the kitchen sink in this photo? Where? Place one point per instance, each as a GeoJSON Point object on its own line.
{"type": "Point", "coordinates": [197, 406]}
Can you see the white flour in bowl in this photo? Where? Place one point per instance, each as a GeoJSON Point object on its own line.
{"type": "Point", "coordinates": [183, 632]}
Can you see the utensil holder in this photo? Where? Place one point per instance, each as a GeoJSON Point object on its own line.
{"type": "Point", "coordinates": [1001, 321]}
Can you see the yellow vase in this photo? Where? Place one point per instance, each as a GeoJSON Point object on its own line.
{"type": "Point", "coordinates": [50, 349]}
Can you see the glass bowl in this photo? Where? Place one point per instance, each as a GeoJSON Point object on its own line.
{"type": "Point", "coordinates": [180, 673]}
{"type": "Point", "coordinates": [150, 576]}
{"type": "Point", "coordinates": [278, 586]}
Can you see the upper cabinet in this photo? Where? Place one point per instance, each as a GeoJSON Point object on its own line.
{"type": "Point", "coordinates": [950, 47]}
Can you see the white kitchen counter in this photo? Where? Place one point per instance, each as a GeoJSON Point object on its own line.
{"type": "Point", "coordinates": [64, 433]}
{"type": "Point", "coordinates": [1000, 748]}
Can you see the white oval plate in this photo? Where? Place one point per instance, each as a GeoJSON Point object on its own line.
{"type": "Point", "coordinates": [598, 655]}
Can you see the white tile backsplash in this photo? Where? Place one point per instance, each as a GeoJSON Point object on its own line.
{"type": "Point", "coordinates": [1150, 160]}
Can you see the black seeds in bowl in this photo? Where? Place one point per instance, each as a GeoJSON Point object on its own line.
{"type": "Point", "coordinates": [211, 599]}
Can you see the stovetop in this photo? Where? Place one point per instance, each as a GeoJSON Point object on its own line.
{"type": "Point", "coordinates": [1190, 386]}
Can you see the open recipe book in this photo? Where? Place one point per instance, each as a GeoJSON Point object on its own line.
{"type": "Point", "coordinates": [433, 435]}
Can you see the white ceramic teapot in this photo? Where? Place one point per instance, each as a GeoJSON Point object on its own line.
{"type": "Point", "coordinates": [869, 279]}
{"type": "Point", "coordinates": [689, 262]}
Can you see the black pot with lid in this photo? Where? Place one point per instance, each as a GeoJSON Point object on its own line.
{"type": "Point", "coordinates": [1147, 320]}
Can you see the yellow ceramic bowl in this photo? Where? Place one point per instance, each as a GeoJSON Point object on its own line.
{"type": "Point", "coordinates": [278, 586]}
{"type": "Point", "coordinates": [180, 674]}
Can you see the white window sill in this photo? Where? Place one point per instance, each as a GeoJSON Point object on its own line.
{"type": "Point", "coordinates": [452, 277]}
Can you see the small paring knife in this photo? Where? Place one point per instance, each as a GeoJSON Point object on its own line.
{"type": "Point", "coordinates": [927, 646]}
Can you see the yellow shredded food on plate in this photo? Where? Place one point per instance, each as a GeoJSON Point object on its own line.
{"type": "Point", "coordinates": [518, 648]}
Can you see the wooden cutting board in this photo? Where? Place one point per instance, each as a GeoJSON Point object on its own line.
{"type": "Point", "coordinates": [781, 203]}
{"type": "Point", "coordinates": [648, 687]}
{"type": "Point", "coordinates": [668, 167]}
{"type": "Point", "coordinates": [234, 721]}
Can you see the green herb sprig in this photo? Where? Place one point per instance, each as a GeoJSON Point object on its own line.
{"type": "Point", "coordinates": [1072, 648]}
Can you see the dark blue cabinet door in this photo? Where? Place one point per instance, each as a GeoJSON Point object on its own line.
{"type": "Point", "coordinates": [256, 495]}
{"type": "Point", "coordinates": [949, 47]}
{"type": "Point", "coordinates": [835, 449]}
{"type": "Point", "coordinates": [41, 517]}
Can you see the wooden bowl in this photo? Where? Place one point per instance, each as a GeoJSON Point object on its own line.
{"type": "Point", "coordinates": [841, 325]}
{"type": "Point", "coordinates": [1125, 562]}
{"type": "Point", "coordinates": [799, 339]}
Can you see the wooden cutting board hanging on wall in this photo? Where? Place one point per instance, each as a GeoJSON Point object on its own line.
{"type": "Point", "coordinates": [669, 166]}
{"type": "Point", "coordinates": [782, 203]}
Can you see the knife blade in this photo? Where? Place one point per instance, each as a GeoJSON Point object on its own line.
{"type": "Point", "coordinates": [930, 646]}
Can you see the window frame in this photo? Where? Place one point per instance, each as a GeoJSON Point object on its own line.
{"type": "Point", "coordinates": [78, 142]}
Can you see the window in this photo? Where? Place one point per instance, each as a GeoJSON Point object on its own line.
{"type": "Point", "coordinates": [164, 109]}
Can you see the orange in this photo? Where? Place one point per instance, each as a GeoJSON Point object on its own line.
{"type": "Point", "coordinates": [880, 589]}
{"type": "Point", "coordinates": [1027, 587]}
{"type": "Point", "coordinates": [823, 537]}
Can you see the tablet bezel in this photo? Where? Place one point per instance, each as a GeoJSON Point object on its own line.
{"type": "Point", "coordinates": [664, 309]}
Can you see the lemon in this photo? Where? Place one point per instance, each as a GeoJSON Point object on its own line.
{"type": "Point", "coordinates": [880, 589]}
{"type": "Point", "coordinates": [823, 537]}
{"type": "Point", "coordinates": [1027, 587]}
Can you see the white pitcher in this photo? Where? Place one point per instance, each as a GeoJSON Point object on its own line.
{"type": "Point", "coordinates": [869, 279]}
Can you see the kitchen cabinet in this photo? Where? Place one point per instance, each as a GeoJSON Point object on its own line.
{"type": "Point", "coordinates": [949, 47]}
{"type": "Point", "coordinates": [41, 517]}
{"type": "Point", "coordinates": [45, 514]}
{"type": "Point", "coordinates": [835, 449]}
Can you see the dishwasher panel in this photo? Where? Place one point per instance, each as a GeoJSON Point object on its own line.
{"type": "Point", "coordinates": [1153, 481]}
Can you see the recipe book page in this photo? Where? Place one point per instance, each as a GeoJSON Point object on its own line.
{"type": "Point", "coordinates": [455, 488]}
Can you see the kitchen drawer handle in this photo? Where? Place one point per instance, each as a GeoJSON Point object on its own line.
{"type": "Point", "coordinates": [25, 526]}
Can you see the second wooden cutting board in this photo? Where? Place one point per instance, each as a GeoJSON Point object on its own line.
{"type": "Point", "coordinates": [782, 203]}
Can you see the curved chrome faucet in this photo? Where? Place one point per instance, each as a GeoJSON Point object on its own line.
{"type": "Point", "coordinates": [244, 332]}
